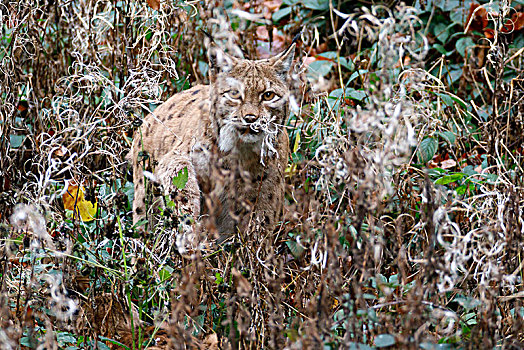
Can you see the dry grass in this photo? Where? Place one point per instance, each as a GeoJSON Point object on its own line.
{"type": "Point", "coordinates": [385, 239]}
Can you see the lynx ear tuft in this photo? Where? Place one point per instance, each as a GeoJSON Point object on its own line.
{"type": "Point", "coordinates": [282, 62]}
{"type": "Point", "coordinates": [219, 61]}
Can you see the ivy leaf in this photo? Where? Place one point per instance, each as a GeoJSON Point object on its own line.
{"type": "Point", "coordinates": [316, 4]}
{"type": "Point", "coordinates": [103, 346]}
{"type": "Point", "coordinates": [448, 101]}
{"type": "Point", "coordinates": [180, 180]}
{"type": "Point", "coordinates": [427, 150]}
{"type": "Point", "coordinates": [358, 95]}
{"type": "Point", "coordinates": [16, 140]}
{"type": "Point", "coordinates": [467, 303]}
{"type": "Point", "coordinates": [455, 75]}
{"type": "Point", "coordinates": [359, 346]}
{"type": "Point", "coordinates": [319, 68]}
{"type": "Point", "coordinates": [356, 74]}
{"type": "Point", "coordinates": [336, 95]}
{"type": "Point", "coordinates": [431, 346]}
{"type": "Point", "coordinates": [64, 338]}
{"type": "Point", "coordinates": [441, 32]}
{"type": "Point", "coordinates": [462, 44]}
{"type": "Point", "coordinates": [278, 15]}
{"type": "Point", "coordinates": [460, 101]}
{"type": "Point", "coordinates": [295, 248]}
{"type": "Point", "coordinates": [384, 340]}
{"type": "Point", "coordinates": [447, 5]}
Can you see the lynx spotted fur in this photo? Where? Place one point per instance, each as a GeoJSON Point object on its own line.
{"type": "Point", "coordinates": [230, 136]}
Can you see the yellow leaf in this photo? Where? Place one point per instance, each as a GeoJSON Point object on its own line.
{"type": "Point", "coordinates": [336, 303]}
{"type": "Point", "coordinates": [83, 209]}
{"type": "Point", "coordinates": [290, 171]}
{"type": "Point", "coordinates": [297, 142]}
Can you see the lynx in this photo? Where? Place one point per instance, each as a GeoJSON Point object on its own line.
{"type": "Point", "coordinates": [229, 136]}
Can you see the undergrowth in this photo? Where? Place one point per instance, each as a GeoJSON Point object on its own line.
{"type": "Point", "coordinates": [403, 224]}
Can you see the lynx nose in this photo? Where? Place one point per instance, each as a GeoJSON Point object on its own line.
{"type": "Point", "coordinates": [250, 118]}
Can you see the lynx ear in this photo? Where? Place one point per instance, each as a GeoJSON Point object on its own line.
{"type": "Point", "coordinates": [219, 62]}
{"type": "Point", "coordinates": [282, 62]}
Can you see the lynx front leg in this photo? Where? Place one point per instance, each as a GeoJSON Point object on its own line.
{"type": "Point", "coordinates": [270, 199]}
{"type": "Point", "coordinates": [258, 202]}
{"type": "Point", "coordinates": [186, 196]}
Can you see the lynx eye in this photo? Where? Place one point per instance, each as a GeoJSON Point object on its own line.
{"type": "Point", "coordinates": [268, 95]}
{"type": "Point", "coordinates": [234, 94]}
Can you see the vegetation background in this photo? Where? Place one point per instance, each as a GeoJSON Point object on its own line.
{"type": "Point", "coordinates": [404, 213]}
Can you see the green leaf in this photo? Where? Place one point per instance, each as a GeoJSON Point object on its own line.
{"type": "Point", "coordinates": [470, 318]}
{"type": "Point", "coordinates": [518, 42]}
{"type": "Point", "coordinates": [384, 340]}
{"type": "Point", "coordinates": [440, 48]}
{"type": "Point", "coordinates": [455, 75]}
{"type": "Point", "coordinates": [336, 95]}
{"type": "Point", "coordinates": [448, 5]}
{"type": "Point", "coordinates": [449, 179]}
{"type": "Point", "coordinates": [347, 63]}
{"type": "Point", "coordinates": [349, 93]}
{"type": "Point", "coordinates": [358, 95]}
{"type": "Point", "coordinates": [319, 68]}
{"type": "Point", "coordinates": [27, 341]}
{"type": "Point", "coordinates": [463, 188]}
{"type": "Point", "coordinates": [180, 179]}
{"type": "Point", "coordinates": [16, 140]}
{"type": "Point", "coordinates": [281, 13]}
{"type": "Point", "coordinates": [462, 44]}
{"type": "Point", "coordinates": [458, 17]}
{"type": "Point", "coordinates": [359, 346]}
{"type": "Point", "coordinates": [459, 101]}
{"type": "Point", "coordinates": [469, 170]}
{"type": "Point", "coordinates": [316, 4]}
{"type": "Point", "coordinates": [448, 101]}
{"type": "Point", "coordinates": [427, 150]}
{"type": "Point", "coordinates": [165, 273]}
{"type": "Point", "coordinates": [356, 75]}
{"type": "Point", "coordinates": [448, 136]}
{"type": "Point", "coordinates": [296, 249]}
{"type": "Point", "coordinates": [441, 32]}
{"type": "Point", "coordinates": [467, 303]}
{"type": "Point", "coordinates": [431, 346]}
{"type": "Point", "coordinates": [103, 346]}
{"type": "Point", "coordinates": [344, 62]}
{"type": "Point", "coordinates": [491, 178]}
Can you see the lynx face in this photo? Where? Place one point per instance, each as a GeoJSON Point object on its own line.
{"type": "Point", "coordinates": [251, 101]}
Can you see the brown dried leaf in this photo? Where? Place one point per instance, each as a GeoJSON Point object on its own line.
{"type": "Point", "coordinates": [211, 342]}
{"type": "Point", "coordinates": [272, 5]}
{"type": "Point", "coordinates": [477, 18]}
{"type": "Point", "coordinates": [154, 4]}
{"type": "Point", "coordinates": [514, 24]}
{"type": "Point", "coordinates": [448, 163]}
{"type": "Point", "coordinates": [244, 288]}
{"type": "Point", "coordinates": [278, 44]}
